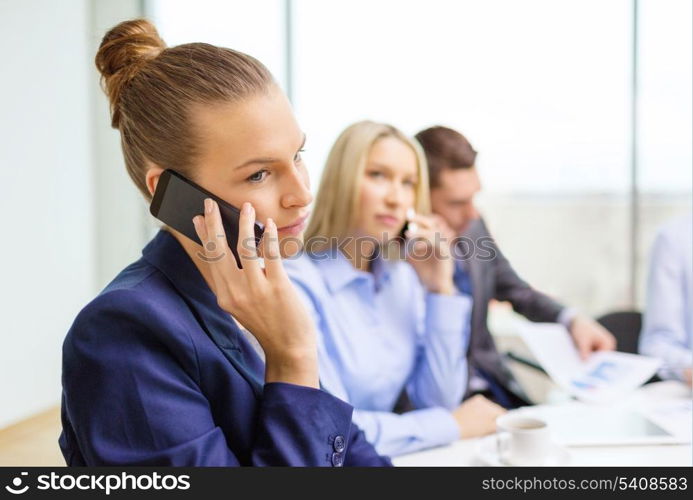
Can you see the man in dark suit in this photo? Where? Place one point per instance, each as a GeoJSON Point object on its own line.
{"type": "Point", "coordinates": [487, 274]}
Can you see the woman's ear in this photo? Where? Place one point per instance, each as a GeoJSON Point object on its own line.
{"type": "Point", "coordinates": [152, 178]}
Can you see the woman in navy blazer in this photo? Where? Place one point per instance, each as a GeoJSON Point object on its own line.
{"type": "Point", "coordinates": [161, 368]}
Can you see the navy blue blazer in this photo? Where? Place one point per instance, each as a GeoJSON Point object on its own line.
{"type": "Point", "coordinates": [156, 373]}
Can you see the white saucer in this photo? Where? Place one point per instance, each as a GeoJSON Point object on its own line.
{"type": "Point", "coordinates": [487, 453]}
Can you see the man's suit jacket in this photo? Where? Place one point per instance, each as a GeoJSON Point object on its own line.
{"type": "Point", "coordinates": [155, 373]}
{"type": "Point", "coordinates": [494, 278]}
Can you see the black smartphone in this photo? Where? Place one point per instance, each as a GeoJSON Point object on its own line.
{"type": "Point", "coordinates": [401, 236]}
{"type": "Point", "coordinates": [178, 199]}
{"type": "Point", "coordinates": [407, 223]}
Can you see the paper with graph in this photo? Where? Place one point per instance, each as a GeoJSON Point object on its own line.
{"type": "Point", "coordinates": [603, 377]}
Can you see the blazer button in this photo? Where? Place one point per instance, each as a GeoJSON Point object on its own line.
{"type": "Point", "coordinates": [337, 459]}
{"type": "Point", "coordinates": [338, 444]}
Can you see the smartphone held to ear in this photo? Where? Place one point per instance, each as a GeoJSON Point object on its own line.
{"type": "Point", "coordinates": [409, 227]}
{"type": "Point", "coordinates": [177, 200]}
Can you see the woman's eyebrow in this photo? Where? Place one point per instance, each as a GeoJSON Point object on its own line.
{"type": "Point", "coordinates": [265, 160]}
{"type": "Point", "coordinates": [255, 161]}
{"type": "Point", "coordinates": [389, 170]}
{"type": "Point", "coordinates": [375, 164]}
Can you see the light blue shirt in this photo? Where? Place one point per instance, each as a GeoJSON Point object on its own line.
{"type": "Point", "coordinates": [380, 332]}
{"type": "Point", "coordinates": [668, 324]}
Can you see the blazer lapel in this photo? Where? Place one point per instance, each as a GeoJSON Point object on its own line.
{"type": "Point", "coordinates": [476, 278]}
{"type": "Point", "coordinates": [166, 254]}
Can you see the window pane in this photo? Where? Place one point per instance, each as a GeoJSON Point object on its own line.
{"type": "Point", "coordinates": [665, 162]}
{"type": "Point", "coordinates": [256, 28]}
{"type": "Point", "coordinates": [665, 59]}
{"type": "Point", "coordinates": [540, 87]}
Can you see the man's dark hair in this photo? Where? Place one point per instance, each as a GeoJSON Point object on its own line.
{"type": "Point", "coordinates": [445, 148]}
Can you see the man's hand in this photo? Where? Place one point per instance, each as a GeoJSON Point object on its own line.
{"type": "Point", "coordinates": [590, 336]}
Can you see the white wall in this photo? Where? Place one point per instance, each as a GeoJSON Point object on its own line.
{"type": "Point", "coordinates": [576, 247]}
{"type": "Point", "coordinates": [47, 255]}
{"type": "Point", "coordinates": [122, 218]}
{"type": "Point", "coordinates": [65, 199]}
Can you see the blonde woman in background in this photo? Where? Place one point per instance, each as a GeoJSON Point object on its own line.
{"type": "Point", "coordinates": [387, 325]}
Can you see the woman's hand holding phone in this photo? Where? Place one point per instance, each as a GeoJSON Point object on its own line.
{"type": "Point", "coordinates": [262, 300]}
{"type": "Point", "coordinates": [429, 253]}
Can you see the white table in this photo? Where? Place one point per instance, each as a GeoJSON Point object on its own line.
{"type": "Point", "coordinates": [464, 452]}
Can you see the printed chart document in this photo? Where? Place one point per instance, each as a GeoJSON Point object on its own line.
{"type": "Point", "coordinates": [603, 377]}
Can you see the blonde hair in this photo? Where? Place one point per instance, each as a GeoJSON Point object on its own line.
{"type": "Point", "coordinates": [338, 196]}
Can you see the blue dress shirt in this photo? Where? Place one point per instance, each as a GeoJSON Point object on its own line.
{"type": "Point", "coordinates": [156, 373]}
{"type": "Point", "coordinates": [381, 332]}
{"type": "Point", "coordinates": [668, 323]}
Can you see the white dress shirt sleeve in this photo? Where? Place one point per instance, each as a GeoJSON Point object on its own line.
{"type": "Point", "coordinates": [664, 332]}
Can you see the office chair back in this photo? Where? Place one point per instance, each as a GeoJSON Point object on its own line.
{"type": "Point", "coordinates": [625, 326]}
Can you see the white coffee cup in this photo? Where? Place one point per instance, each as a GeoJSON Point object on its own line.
{"type": "Point", "coordinates": [523, 440]}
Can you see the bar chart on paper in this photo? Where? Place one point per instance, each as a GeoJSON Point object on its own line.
{"type": "Point", "coordinates": [604, 376]}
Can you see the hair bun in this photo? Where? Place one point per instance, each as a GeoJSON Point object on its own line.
{"type": "Point", "coordinates": [122, 53]}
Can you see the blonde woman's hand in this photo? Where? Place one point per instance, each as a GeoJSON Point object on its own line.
{"type": "Point", "coordinates": [477, 416]}
{"type": "Point", "coordinates": [262, 300]}
{"type": "Point", "coordinates": [428, 251]}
